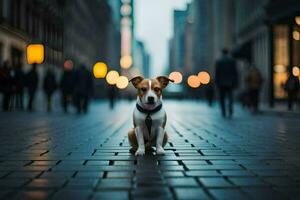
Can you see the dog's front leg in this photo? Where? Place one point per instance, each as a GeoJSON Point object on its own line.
{"type": "Point", "coordinates": [140, 139]}
{"type": "Point", "coordinates": [159, 140]}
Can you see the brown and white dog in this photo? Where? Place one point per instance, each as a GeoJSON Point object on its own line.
{"type": "Point", "coordinates": [149, 117]}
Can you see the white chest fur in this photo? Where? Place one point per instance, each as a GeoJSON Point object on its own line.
{"type": "Point", "coordinates": [158, 120]}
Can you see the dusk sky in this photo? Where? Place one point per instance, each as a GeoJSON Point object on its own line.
{"type": "Point", "coordinates": [154, 25]}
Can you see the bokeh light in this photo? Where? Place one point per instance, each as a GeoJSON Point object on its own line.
{"type": "Point", "coordinates": [297, 20]}
{"type": "Point", "coordinates": [100, 70]}
{"type": "Point", "coordinates": [193, 81]}
{"type": "Point", "coordinates": [35, 54]}
{"type": "Point", "coordinates": [122, 82]}
{"type": "Point", "coordinates": [126, 62]}
{"type": "Point", "coordinates": [176, 77]}
{"type": "Point", "coordinates": [296, 71]}
{"type": "Point", "coordinates": [112, 77]}
{"type": "Point", "coordinates": [296, 35]}
{"type": "Point", "coordinates": [68, 65]}
{"type": "Point", "coordinates": [204, 77]}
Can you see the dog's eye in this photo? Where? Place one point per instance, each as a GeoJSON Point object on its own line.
{"type": "Point", "coordinates": [156, 89]}
{"type": "Point", "coordinates": [144, 89]}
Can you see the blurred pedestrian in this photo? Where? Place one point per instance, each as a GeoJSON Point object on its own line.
{"type": "Point", "coordinates": [5, 85]}
{"type": "Point", "coordinates": [254, 83]}
{"type": "Point", "coordinates": [226, 79]}
{"type": "Point", "coordinates": [111, 96]}
{"type": "Point", "coordinates": [67, 87]}
{"type": "Point", "coordinates": [292, 88]}
{"type": "Point", "coordinates": [19, 82]}
{"type": "Point", "coordinates": [31, 84]}
{"type": "Point", "coordinates": [49, 86]}
{"type": "Point", "coordinates": [83, 89]}
{"type": "Point", "coordinates": [210, 93]}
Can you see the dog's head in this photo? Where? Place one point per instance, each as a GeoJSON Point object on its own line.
{"type": "Point", "coordinates": [150, 90]}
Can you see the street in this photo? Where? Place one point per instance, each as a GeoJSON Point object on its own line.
{"type": "Point", "coordinates": [59, 156]}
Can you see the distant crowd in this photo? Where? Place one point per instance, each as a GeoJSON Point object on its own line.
{"type": "Point", "coordinates": [75, 86]}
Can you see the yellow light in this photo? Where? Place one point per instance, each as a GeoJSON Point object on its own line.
{"type": "Point", "coordinates": [112, 77]}
{"type": "Point", "coordinates": [204, 77]}
{"type": "Point", "coordinates": [35, 54]}
{"type": "Point", "coordinates": [126, 62]}
{"type": "Point", "coordinates": [296, 71]}
{"type": "Point", "coordinates": [296, 35]}
{"type": "Point", "coordinates": [193, 81]}
{"type": "Point", "coordinates": [297, 20]}
{"type": "Point", "coordinates": [122, 82]}
{"type": "Point", "coordinates": [100, 70]}
{"type": "Point", "coordinates": [176, 77]}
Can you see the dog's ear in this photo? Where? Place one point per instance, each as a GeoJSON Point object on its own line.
{"type": "Point", "coordinates": [136, 80]}
{"type": "Point", "coordinates": [164, 81]}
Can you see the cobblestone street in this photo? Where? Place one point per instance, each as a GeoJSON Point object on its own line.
{"type": "Point", "coordinates": [58, 156]}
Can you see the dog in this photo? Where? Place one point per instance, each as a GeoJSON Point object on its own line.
{"type": "Point", "coordinates": [149, 116]}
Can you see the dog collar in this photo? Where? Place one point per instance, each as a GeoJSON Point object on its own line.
{"type": "Point", "coordinates": [148, 112]}
{"type": "Point", "coordinates": [148, 119]}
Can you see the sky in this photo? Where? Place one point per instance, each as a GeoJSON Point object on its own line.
{"type": "Point", "coordinates": [154, 26]}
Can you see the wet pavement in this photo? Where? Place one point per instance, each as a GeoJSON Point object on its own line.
{"type": "Point", "coordinates": [58, 156]}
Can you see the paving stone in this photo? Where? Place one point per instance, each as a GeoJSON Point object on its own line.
{"type": "Point", "coordinates": [115, 195]}
{"type": "Point", "coordinates": [215, 182]}
{"type": "Point", "coordinates": [190, 193]}
{"type": "Point", "coordinates": [228, 194]}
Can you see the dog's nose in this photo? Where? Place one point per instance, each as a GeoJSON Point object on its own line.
{"type": "Point", "coordinates": [151, 99]}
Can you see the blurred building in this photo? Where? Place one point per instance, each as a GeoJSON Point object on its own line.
{"type": "Point", "coordinates": [142, 59]}
{"type": "Point", "coordinates": [31, 21]}
{"type": "Point", "coordinates": [91, 34]}
{"type": "Point", "coordinates": [267, 34]}
{"type": "Point", "coordinates": [177, 42]}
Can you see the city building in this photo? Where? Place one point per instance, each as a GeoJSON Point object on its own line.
{"type": "Point", "coordinates": [28, 21]}
{"type": "Point", "coordinates": [142, 59]}
{"type": "Point", "coordinates": [267, 34]}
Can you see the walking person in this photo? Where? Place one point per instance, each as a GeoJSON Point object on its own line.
{"type": "Point", "coordinates": [19, 87]}
{"type": "Point", "coordinates": [83, 89]}
{"type": "Point", "coordinates": [67, 88]}
{"type": "Point", "coordinates": [49, 86]}
{"type": "Point", "coordinates": [292, 88]}
{"type": "Point", "coordinates": [210, 93]}
{"type": "Point", "coordinates": [226, 79]}
{"type": "Point", "coordinates": [31, 84]}
{"type": "Point", "coordinates": [111, 96]}
{"type": "Point", "coordinates": [254, 83]}
{"type": "Point", "coordinates": [5, 85]}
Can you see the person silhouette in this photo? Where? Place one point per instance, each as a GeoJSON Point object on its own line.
{"type": "Point", "coordinates": [31, 84]}
{"type": "Point", "coordinates": [226, 80]}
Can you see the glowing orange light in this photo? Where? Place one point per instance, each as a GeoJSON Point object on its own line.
{"type": "Point", "coordinates": [35, 54]}
{"type": "Point", "coordinates": [100, 70]}
{"type": "Point", "coordinates": [112, 77]}
{"type": "Point", "coordinates": [68, 65]}
{"type": "Point", "coordinates": [297, 20]}
{"type": "Point", "coordinates": [204, 77]}
{"type": "Point", "coordinates": [176, 77]}
{"type": "Point", "coordinates": [126, 62]}
{"type": "Point", "coordinates": [122, 82]}
{"type": "Point", "coordinates": [193, 81]}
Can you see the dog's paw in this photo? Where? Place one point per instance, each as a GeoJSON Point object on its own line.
{"type": "Point", "coordinates": [140, 152]}
{"type": "Point", "coordinates": [160, 151]}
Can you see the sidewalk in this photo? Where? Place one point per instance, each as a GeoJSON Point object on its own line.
{"type": "Point", "coordinates": [57, 156]}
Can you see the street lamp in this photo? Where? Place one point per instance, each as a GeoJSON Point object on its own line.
{"type": "Point", "coordinates": [100, 70]}
{"type": "Point", "coordinates": [204, 77]}
{"type": "Point", "coordinates": [112, 77]}
{"type": "Point", "coordinates": [176, 77]}
{"type": "Point", "coordinates": [122, 82]}
{"type": "Point", "coordinates": [35, 54]}
{"type": "Point", "coordinates": [193, 81]}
